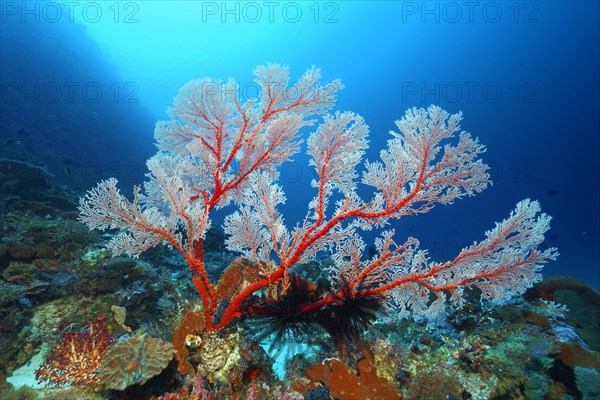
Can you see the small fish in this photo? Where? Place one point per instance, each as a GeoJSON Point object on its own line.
{"type": "Point", "coordinates": [554, 237]}
{"type": "Point", "coordinates": [68, 161]}
{"type": "Point", "coordinates": [569, 197]}
{"type": "Point", "coordinates": [23, 132]}
{"type": "Point", "coordinates": [11, 142]}
{"type": "Point", "coordinates": [587, 234]}
{"type": "Point", "coordinates": [551, 192]}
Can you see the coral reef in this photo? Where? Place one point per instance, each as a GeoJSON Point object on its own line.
{"type": "Point", "coordinates": [511, 351]}
{"type": "Point", "coordinates": [55, 275]}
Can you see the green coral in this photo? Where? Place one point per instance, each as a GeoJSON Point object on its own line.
{"type": "Point", "coordinates": [93, 256]}
{"type": "Point", "coordinates": [508, 352]}
{"type": "Point", "coordinates": [507, 360]}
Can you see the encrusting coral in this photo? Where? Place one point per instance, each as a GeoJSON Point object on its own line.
{"type": "Point", "coordinates": [344, 384]}
{"type": "Point", "coordinates": [134, 360]}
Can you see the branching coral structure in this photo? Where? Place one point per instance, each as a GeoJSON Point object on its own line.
{"type": "Point", "coordinates": [217, 150]}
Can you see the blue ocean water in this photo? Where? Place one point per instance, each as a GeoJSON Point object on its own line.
{"type": "Point", "coordinates": [83, 84]}
{"type": "Point", "coordinates": [524, 75]}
